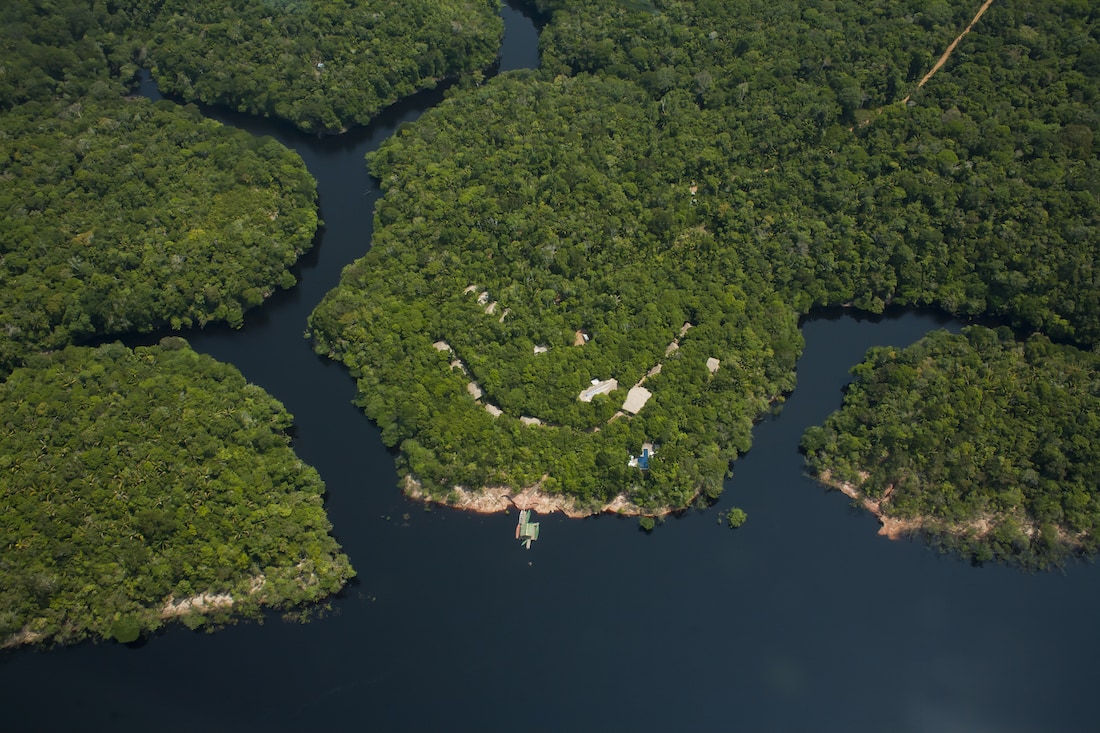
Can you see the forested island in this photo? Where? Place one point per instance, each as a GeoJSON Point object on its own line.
{"type": "Point", "coordinates": [681, 182]}
{"type": "Point", "coordinates": [988, 444]}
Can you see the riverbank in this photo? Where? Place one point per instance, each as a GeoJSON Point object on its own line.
{"type": "Point", "coordinates": [892, 527]}
{"type": "Point", "coordinates": [175, 609]}
{"type": "Point", "coordinates": [213, 601]}
{"type": "Point", "coordinates": [895, 528]}
{"type": "Point", "coordinates": [170, 609]}
{"type": "Point", "coordinates": [25, 635]}
{"type": "Point", "coordinates": [493, 499]}
{"type": "Point", "coordinates": [978, 528]}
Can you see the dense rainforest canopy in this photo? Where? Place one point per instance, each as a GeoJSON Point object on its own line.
{"type": "Point", "coordinates": [730, 163]}
{"type": "Point", "coordinates": [990, 444]}
{"type": "Point", "coordinates": [978, 195]}
{"type": "Point", "coordinates": [135, 479]}
{"type": "Point", "coordinates": [132, 480]}
{"type": "Point", "coordinates": [322, 64]}
{"type": "Point", "coordinates": [727, 165]}
{"type": "Point", "coordinates": [119, 216]}
{"type": "Point", "coordinates": [517, 215]}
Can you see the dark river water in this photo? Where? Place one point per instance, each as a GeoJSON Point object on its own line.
{"type": "Point", "coordinates": [802, 620]}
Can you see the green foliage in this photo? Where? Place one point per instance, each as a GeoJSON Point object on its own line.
{"type": "Point", "coordinates": [127, 629]}
{"type": "Point", "coordinates": [135, 478]}
{"type": "Point", "coordinates": [979, 197]}
{"type": "Point", "coordinates": [574, 218]}
{"type": "Point", "coordinates": [322, 65]}
{"type": "Point", "coordinates": [756, 57]}
{"type": "Point", "coordinates": [732, 164]}
{"type": "Point", "coordinates": [117, 215]}
{"type": "Point", "coordinates": [735, 517]}
{"type": "Point", "coordinates": [728, 164]}
{"type": "Point", "coordinates": [990, 443]}
{"type": "Point", "coordinates": [647, 523]}
{"type": "Point", "coordinates": [131, 481]}
{"type": "Point", "coordinates": [63, 49]}
{"type": "Point", "coordinates": [120, 216]}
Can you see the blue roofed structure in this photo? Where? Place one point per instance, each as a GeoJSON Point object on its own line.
{"type": "Point", "coordinates": [642, 461]}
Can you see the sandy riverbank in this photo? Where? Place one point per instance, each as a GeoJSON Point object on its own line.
{"type": "Point", "coordinates": [977, 528]}
{"type": "Point", "coordinates": [171, 609]}
{"type": "Point", "coordinates": [491, 499]}
{"type": "Point", "coordinates": [892, 527]}
{"type": "Point", "coordinates": [195, 604]}
{"type": "Point", "coordinates": [209, 601]}
{"type": "Point", "coordinates": [21, 637]}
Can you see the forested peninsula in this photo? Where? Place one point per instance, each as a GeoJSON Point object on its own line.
{"type": "Point", "coordinates": [475, 337]}
{"type": "Point", "coordinates": [121, 216]}
{"type": "Point", "coordinates": [682, 181]}
{"type": "Point", "coordinates": [323, 65]}
{"type": "Point", "coordinates": [148, 484]}
{"type": "Point", "coordinates": [988, 444]}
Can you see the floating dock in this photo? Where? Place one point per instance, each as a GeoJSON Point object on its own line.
{"type": "Point", "coordinates": [526, 530]}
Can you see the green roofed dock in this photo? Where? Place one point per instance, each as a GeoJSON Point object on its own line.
{"type": "Point", "coordinates": [526, 530]}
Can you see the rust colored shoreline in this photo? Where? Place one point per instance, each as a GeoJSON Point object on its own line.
{"type": "Point", "coordinates": [892, 527]}
{"type": "Point", "coordinates": [493, 499]}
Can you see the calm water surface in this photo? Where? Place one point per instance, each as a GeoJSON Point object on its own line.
{"type": "Point", "coordinates": [802, 620]}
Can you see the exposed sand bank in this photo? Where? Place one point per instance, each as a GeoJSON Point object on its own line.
{"type": "Point", "coordinates": [892, 527]}
{"type": "Point", "coordinates": [491, 499]}
{"type": "Point", "coordinates": [21, 637]}
{"type": "Point", "coordinates": [171, 609]}
{"type": "Point", "coordinates": [895, 527]}
{"type": "Point", "coordinates": [198, 603]}
{"type": "Point", "coordinates": [210, 601]}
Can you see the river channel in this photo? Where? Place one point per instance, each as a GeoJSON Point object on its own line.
{"type": "Point", "coordinates": [802, 620]}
